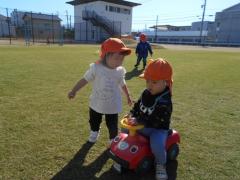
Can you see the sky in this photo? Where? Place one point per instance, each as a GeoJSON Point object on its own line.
{"type": "Point", "coordinates": [151, 12]}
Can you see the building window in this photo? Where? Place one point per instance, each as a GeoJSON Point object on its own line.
{"type": "Point", "coordinates": [106, 8]}
{"type": "Point", "coordinates": [47, 26]}
{"type": "Point", "coordinates": [187, 40]}
{"type": "Point", "coordinates": [162, 39]}
{"type": "Point", "coordinates": [119, 10]}
{"type": "Point", "coordinates": [111, 9]}
{"type": "Point", "coordinates": [126, 11]}
{"type": "Point", "coordinates": [93, 34]}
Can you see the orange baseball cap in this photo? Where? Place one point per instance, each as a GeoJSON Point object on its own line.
{"type": "Point", "coordinates": [158, 69]}
{"type": "Point", "coordinates": [113, 45]}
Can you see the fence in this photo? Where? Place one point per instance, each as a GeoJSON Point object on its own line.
{"type": "Point", "coordinates": [22, 27]}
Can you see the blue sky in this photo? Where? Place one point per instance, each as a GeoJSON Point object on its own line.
{"type": "Point", "coordinates": [173, 12]}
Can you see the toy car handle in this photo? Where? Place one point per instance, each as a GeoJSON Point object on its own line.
{"type": "Point", "coordinates": [132, 129]}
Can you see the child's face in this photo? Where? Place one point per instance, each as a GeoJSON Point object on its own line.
{"type": "Point", "coordinates": [155, 87]}
{"type": "Point", "coordinates": [114, 60]}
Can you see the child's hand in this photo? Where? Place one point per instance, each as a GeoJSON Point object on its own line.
{"type": "Point", "coordinates": [132, 121]}
{"type": "Point", "coordinates": [127, 115]}
{"type": "Point", "coordinates": [71, 95]}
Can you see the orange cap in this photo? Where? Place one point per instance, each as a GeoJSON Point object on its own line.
{"type": "Point", "coordinates": [143, 37]}
{"type": "Point", "coordinates": [158, 69]}
{"type": "Point", "coordinates": [113, 45]}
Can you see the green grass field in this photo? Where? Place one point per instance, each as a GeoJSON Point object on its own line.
{"type": "Point", "coordinates": [43, 134]}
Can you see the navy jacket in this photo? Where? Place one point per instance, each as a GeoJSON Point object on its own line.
{"type": "Point", "coordinates": [154, 111]}
{"type": "Point", "coordinates": [143, 48]}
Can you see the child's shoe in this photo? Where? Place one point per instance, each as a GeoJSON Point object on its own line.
{"type": "Point", "coordinates": [93, 137]}
{"type": "Point", "coordinates": [161, 173]}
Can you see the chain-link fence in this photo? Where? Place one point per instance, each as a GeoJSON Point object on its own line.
{"type": "Point", "coordinates": [22, 27]}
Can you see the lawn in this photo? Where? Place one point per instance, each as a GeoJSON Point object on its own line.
{"type": "Point", "coordinates": [43, 134]}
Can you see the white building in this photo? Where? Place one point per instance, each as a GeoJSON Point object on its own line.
{"type": "Point", "coordinates": [97, 20]}
{"type": "Point", "coordinates": [6, 27]}
{"type": "Point", "coordinates": [17, 18]}
{"type": "Point", "coordinates": [178, 34]}
{"type": "Point", "coordinates": [175, 37]}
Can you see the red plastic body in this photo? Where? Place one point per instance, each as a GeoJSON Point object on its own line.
{"type": "Point", "coordinates": [123, 144]}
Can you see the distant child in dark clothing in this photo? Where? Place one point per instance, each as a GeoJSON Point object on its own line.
{"type": "Point", "coordinates": [142, 49]}
{"type": "Point", "coordinates": [154, 109]}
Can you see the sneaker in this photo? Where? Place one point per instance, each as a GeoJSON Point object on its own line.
{"type": "Point", "coordinates": [161, 173]}
{"type": "Point", "coordinates": [93, 136]}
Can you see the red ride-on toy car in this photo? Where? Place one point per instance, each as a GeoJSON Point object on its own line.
{"type": "Point", "coordinates": [132, 150]}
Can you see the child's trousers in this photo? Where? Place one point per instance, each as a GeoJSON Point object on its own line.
{"type": "Point", "coordinates": [158, 138]}
{"type": "Point", "coordinates": [139, 58]}
{"type": "Point", "coordinates": [111, 122]}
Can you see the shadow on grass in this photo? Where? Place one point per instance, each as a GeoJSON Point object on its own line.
{"type": "Point", "coordinates": [130, 175]}
{"type": "Point", "coordinates": [75, 170]}
{"type": "Point", "coordinates": [133, 73]}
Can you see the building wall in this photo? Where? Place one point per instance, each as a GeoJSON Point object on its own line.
{"type": "Point", "coordinates": [17, 18]}
{"type": "Point", "coordinates": [43, 29]}
{"type": "Point", "coordinates": [4, 28]}
{"type": "Point", "coordinates": [178, 37]}
{"type": "Point", "coordinates": [227, 24]}
{"type": "Point", "coordinates": [86, 32]}
{"type": "Point", "coordinates": [102, 9]}
{"type": "Point", "coordinates": [196, 26]}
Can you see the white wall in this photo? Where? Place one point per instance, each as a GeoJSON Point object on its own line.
{"type": "Point", "coordinates": [4, 29]}
{"type": "Point", "coordinates": [176, 33]}
{"type": "Point", "coordinates": [100, 8]}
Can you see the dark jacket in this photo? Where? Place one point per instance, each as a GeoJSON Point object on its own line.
{"type": "Point", "coordinates": [143, 48]}
{"type": "Point", "coordinates": [154, 111]}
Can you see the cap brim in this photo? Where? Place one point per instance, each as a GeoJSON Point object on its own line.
{"type": "Point", "coordinates": [126, 51]}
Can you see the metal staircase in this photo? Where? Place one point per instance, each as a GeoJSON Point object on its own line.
{"type": "Point", "coordinates": [111, 27]}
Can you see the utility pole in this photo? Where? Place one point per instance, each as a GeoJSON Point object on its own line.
{"type": "Point", "coordinates": [9, 28]}
{"type": "Point", "coordinates": [67, 18]}
{"type": "Point", "coordinates": [156, 30]}
{"type": "Point", "coordinates": [33, 38]}
{"type": "Point", "coordinates": [52, 30]}
{"type": "Point", "coordinates": [201, 31]}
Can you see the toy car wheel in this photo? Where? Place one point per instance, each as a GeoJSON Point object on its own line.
{"type": "Point", "coordinates": [118, 168]}
{"type": "Point", "coordinates": [144, 166]}
{"type": "Point", "coordinates": [173, 152]}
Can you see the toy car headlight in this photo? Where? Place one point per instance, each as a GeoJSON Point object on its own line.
{"type": "Point", "coordinates": [116, 139]}
{"type": "Point", "coordinates": [123, 145]}
{"type": "Point", "coordinates": [133, 149]}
